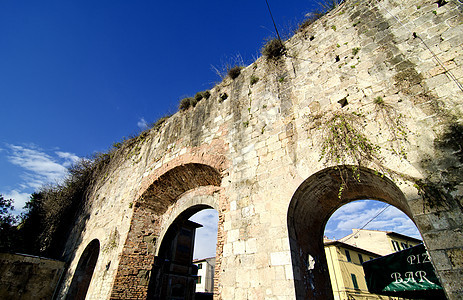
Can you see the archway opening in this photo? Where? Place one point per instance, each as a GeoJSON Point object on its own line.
{"type": "Point", "coordinates": [184, 266]}
{"type": "Point", "coordinates": [84, 271]}
{"type": "Point", "coordinates": [316, 199]}
{"type": "Point", "coordinates": [205, 249]}
{"type": "Point", "coordinates": [361, 231]}
{"type": "Point", "coordinates": [165, 193]}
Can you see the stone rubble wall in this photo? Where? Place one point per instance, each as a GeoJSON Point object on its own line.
{"type": "Point", "coordinates": [28, 277]}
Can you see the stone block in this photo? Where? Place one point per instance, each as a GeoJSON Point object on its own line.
{"type": "Point", "coordinates": [239, 247]}
{"type": "Point", "coordinates": [251, 245]}
{"type": "Point", "coordinates": [437, 81]}
{"type": "Point", "coordinates": [440, 260]}
{"type": "Point", "coordinates": [280, 258]}
{"type": "Point", "coordinates": [456, 257]}
{"type": "Point", "coordinates": [436, 240]}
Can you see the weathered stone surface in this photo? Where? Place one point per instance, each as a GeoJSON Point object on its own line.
{"type": "Point", "coordinates": [28, 277]}
{"type": "Point", "coordinates": [258, 157]}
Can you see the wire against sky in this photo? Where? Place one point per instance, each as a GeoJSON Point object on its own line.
{"type": "Point", "coordinates": [271, 16]}
{"type": "Point", "coordinates": [382, 210]}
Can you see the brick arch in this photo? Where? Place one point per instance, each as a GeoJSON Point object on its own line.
{"type": "Point", "coordinates": [168, 187]}
{"type": "Point", "coordinates": [315, 200]}
{"type": "Point", "coordinates": [155, 201]}
{"type": "Point", "coordinates": [206, 155]}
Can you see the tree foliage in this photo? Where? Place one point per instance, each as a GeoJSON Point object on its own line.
{"type": "Point", "coordinates": [7, 225]}
{"type": "Point", "coordinates": [50, 213]}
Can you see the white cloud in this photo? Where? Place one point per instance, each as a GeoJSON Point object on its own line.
{"type": "Point", "coordinates": [348, 209]}
{"type": "Point", "coordinates": [206, 236]}
{"type": "Point", "coordinates": [39, 169]}
{"type": "Point", "coordinates": [19, 198]}
{"type": "Point", "coordinates": [37, 163]}
{"type": "Point", "coordinates": [357, 214]}
{"type": "Point", "coordinates": [142, 124]}
{"type": "Point", "coordinates": [70, 158]}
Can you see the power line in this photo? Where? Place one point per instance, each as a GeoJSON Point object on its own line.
{"type": "Point", "coordinates": [446, 71]}
{"type": "Point", "coordinates": [271, 16]}
{"type": "Point", "coordinates": [382, 210]}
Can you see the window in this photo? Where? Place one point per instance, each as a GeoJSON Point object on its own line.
{"type": "Point", "coordinates": [200, 266]}
{"type": "Point", "coordinates": [360, 259]}
{"type": "Point", "coordinates": [354, 281]}
{"type": "Point", "coordinates": [404, 246]}
{"type": "Point", "coordinates": [198, 279]}
{"type": "Point", "coordinates": [348, 255]}
{"type": "Point", "coordinates": [396, 246]}
{"type": "Point", "coordinates": [371, 258]}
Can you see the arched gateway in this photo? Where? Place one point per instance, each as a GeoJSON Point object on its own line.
{"type": "Point", "coordinates": [255, 150]}
{"type": "Point", "coordinates": [312, 205]}
{"type": "Point", "coordinates": [157, 257]}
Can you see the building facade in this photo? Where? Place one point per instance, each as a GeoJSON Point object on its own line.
{"type": "Point", "coordinates": [346, 271]}
{"type": "Point", "coordinates": [380, 242]}
{"type": "Point", "coordinates": [205, 279]}
{"type": "Point", "coordinates": [346, 255]}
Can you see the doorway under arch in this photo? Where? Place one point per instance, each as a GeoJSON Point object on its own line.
{"type": "Point", "coordinates": [84, 271]}
{"type": "Point", "coordinates": [174, 275]}
{"type": "Point", "coordinates": [315, 200]}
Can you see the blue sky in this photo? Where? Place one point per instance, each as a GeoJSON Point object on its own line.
{"type": "Point", "coordinates": [77, 76]}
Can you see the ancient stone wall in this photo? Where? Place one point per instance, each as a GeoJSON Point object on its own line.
{"type": "Point", "coordinates": [375, 83]}
{"type": "Point", "coordinates": [28, 277]}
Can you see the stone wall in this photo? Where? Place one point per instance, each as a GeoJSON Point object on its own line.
{"type": "Point", "coordinates": [389, 73]}
{"type": "Point", "coordinates": [28, 277]}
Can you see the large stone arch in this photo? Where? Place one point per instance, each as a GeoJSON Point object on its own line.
{"type": "Point", "coordinates": [187, 205]}
{"type": "Point", "coordinates": [151, 210]}
{"type": "Point", "coordinates": [311, 206]}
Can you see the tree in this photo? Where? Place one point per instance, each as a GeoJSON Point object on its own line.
{"type": "Point", "coordinates": [30, 227]}
{"type": "Point", "coordinates": [8, 231]}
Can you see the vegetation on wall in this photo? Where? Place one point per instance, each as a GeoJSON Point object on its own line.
{"type": "Point", "coordinates": [185, 103]}
{"type": "Point", "coordinates": [273, 49]}
{"type": "Point", "coordinates": [202, 95]}
{"type": "Point", "coordinates": [345, 144]}
{"type": "Point", "coordinates": [50, 212]}
{"type": "Point", "coordinates": [234, 72]}
{"type": "Point", "coordinates": [253, 80]}
{"type": "Point", "coordinates": [323, 8]}
{"type": "Point", "coordinates": [388, 117]}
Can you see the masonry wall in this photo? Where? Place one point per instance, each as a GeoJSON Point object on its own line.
{"type": "Point", "coordinates": [248, 155]}
{"type": "Point", "coordinates": [28, 277]}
